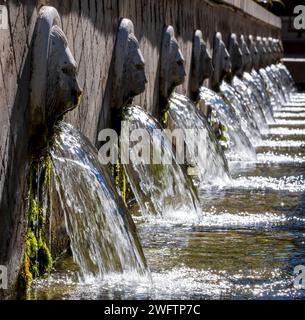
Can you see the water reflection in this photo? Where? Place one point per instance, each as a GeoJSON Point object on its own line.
{"type": "Point", "coordinates": [244, 244]}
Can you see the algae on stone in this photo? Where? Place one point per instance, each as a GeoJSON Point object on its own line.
{"type": "Point", "coordinates": [37, 258]}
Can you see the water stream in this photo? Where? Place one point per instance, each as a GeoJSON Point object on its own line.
{"type": "Point", "coordinates": [239, 146]}
{"type": "Point", "coordinates": [102, 234]}
{"type": "Point", "coordinates": [245, 240]}
{"type": "Point", "coordinates": [209, 158]}
{"type": "Point", "coordinates": [161, 189]}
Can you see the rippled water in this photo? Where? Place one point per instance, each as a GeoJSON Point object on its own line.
{"type": "Point", "coordinates": [244, 245]}
{"type": "Point", "coordinates": [288, 115]}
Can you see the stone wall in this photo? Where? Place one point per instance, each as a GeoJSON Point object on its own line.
{"type": "Point", "coordinates": [90, 26]}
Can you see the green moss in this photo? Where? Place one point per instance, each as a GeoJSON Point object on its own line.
{"type": "Point", "coordinates": [120, 179]}
{"type": "Point", "coordinates": [164, 118]}
{"type": "Point", "coordinates": [124, 187]}
{"type": "Point", "coordinates": [37, 258]}
{"type": "Point", "coordinates": [117, 169]}
{"type": "Point", "coordinates": [223, 129]}
{"type": "Point", "coordinates": [117, 173]}
{"type": "Point", "coordinates": [31, 245]}
{"type": "Point", "coordinates": [157, 171]}
{"type": "Point", "coordinates": [33, 211]}
{"type": "Point", "coordinates": [25, 276]}
{"type": "Point", "coordinates": [45, 176]}
{"type": "Point", "coordinates": [113, 170]}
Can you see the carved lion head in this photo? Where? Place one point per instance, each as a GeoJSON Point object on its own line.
{"type": "Point", "coordinates": [202, 66]}
{"type": "Point", "coordinates": [221, 60]}
{"type": "Point", "coordinates": [235, 54]}
{"type": "Point", "coordinates": [63, 89]}
{"type": "Point", "coordinates": [172, 71]}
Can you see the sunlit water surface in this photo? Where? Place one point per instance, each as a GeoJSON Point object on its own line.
{"type": "Point", "coordinates": [244, 246]}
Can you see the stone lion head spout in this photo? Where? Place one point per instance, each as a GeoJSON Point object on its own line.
{"type": "Point", "coordinates": [236, 55]}
{"type": "Point", "coordinates": [202, 66]}
{"type": "Point", "coordinates": [273, 55]}
{"type": "Point", "coordinates": [253, 52]}
{"type": "Point", "coordinates": [268, 51]}
{"type": "Point", "coordinates": [247, 59]}
{"type": "Point", "coordinates": [280, 50]}
{"type": "Point", "coordinates": [63, 89]}
{"type": "Point", "coordinates": [274, 50]}
{"type": "Point", "coordinates": [277, 50]}
{"type": "Point", "coordinates": [221, 61]}
{"type": "Point", "coordinates": [262, 52]}
{"type": "Point", "coordinates": [54, 86]}
{"type": "Point", "coordinates": [172, 70]}
{"type": "Point", "coordinates": [129, 79]}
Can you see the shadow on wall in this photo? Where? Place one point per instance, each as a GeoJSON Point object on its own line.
{"type": "Point", "coordinates": [13, 198]}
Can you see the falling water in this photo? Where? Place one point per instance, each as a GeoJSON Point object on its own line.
{"type": "Point", "coordinates": [264, 97]}
{"type": "Point", "coordinates": [249, 97]}
{"type": "Point", "coordinates": [161, 189]}
{"type": "Point", "coordinates": [102, 234]}
{"type": "Point", "coordinates": [242, 109]}
{"type": "Point", "coordinates": [282, 77]}
{"type": "Point", "coordinates": [211, 163]}
{"type": "Point", "coordinates": [271, 88]}
{"type": "Point", "coordinates": [239, 146]}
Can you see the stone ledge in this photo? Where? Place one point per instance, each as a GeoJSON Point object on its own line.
{"type": "Point", "coordinates": [255, 10]}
